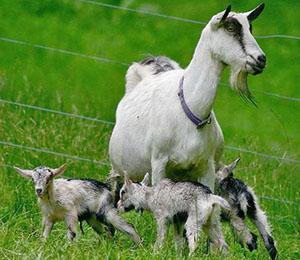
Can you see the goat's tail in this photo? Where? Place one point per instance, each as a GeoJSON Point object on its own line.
{"type": "Point", "coordinates": [222, 202]}
{"type": "Point", "coordinates": [148, 67]}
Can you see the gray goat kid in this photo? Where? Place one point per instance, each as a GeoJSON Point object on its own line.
{"type": "Point", "coordinates": [74, 200]}
{"type": "Point", "coordinates": [187, 204]}
{"type": "Point", "coordinates": [244, 204]}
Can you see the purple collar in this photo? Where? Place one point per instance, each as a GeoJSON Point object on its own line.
{"type": "Point", "coordinates": [196, 120]}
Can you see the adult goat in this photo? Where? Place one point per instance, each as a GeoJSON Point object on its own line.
{"type": "Point", "coordinates": [165, 124]}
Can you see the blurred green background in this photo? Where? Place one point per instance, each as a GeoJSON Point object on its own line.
{"type": "Point", "coordinates": [84, 86]}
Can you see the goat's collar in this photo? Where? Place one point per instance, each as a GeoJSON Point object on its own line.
{"type": "Point", "coordinates": [195, 119]}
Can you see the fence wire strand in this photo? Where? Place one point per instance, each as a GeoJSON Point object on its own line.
{"type": "Point", "coordinates": [56, 112]}
{"type": "Point", "coordinates": [63, 51]}
{"type": "Point", "coordinates": [229, 147]}
{"type": "Point", "coordinates": [47, 151]}
{"type": "Point", "coordinates": [170, 17]}
{"type": "Point", "coordinates": [107, 60]}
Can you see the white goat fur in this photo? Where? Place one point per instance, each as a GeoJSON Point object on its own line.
{"type": "Point", "coordinates": [74, 200]}
{"type": "Point", "coordinates": [191, 205]}
{"type": "Point", "coordinates": [153, 134]}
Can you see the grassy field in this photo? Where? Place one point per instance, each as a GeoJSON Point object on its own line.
{"type": "Point", "coordinates": [83, 86]}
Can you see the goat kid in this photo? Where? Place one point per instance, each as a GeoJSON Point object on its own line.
{"type": "Point", "coordinates": [243, 204]}
{"type": "Point", "coordinates": [182, 203]}
{"type": "Point", "coordinates": [74, 200]}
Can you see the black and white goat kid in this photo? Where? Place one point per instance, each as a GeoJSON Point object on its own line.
{"type": "Point", "coordinates": [74, 200]}
{"type": "Point", "coordinates": [243, 204]}
{"type": "Point", "coordinates": [184, 204]}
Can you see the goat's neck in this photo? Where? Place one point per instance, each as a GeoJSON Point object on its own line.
{"type": "Point", "coordinates": [143, 198]}
{"type": "Point", "coordinates": [201, 79]}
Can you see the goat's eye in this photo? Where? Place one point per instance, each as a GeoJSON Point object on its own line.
{"type": "Point", "coordinates": [230, 28]}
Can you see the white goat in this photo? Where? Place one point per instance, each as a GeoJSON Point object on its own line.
{"type": "Point", "coordinates": [75, 200]}
{"type": "Point", "coordinates": [183, 203]}
{"type": "Point", "coordinates": [153, 131]}
{"type": "Point", "coordinates": [244, 204]}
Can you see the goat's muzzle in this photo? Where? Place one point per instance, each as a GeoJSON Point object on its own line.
{"type": "Point", "coordinates": [256, 66]}
{"type": "Point", "coordinates": [39, 192]}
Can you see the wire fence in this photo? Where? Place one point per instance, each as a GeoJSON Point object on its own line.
{"type": "Point", "coordinates": [63, 51]}
{"type": "Point", "coordinates": [102, 163]}
{"type": "Point", "coordinates": [116, 62]}
{"type": "Point", "coordinates": [47, 151]}
{"type": "Point", "coordinates": [108, 60]}
{"type": "Point", "coordinates": [110, 123]}
{"type": "Point", "coordinates": [176, 18]}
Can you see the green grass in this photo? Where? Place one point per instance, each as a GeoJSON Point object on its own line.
{"type": "Point", "coordinates": [83, 86]}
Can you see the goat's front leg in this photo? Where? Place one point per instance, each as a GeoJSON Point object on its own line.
{"type": "Point", "coordinates": [213, 229]}
{"type": "Point", "coordinates": [162, 229]}
{"type": "Point", "coordinates": [158, 166]}
{"type": "Point", "coordinates": [208, 178]}
{"type": "Point", "coordinates": [71, 220]}
{"type": "Point", "coordinates": [47, 227]}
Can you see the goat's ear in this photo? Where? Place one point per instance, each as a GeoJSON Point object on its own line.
{"type": "Point", "coordinates": [24, 173]}
{"type": "Point", "coordinates": [233, 165]}
{"type": "Point", "coordinates": [127, 181]}
{"type": "Point", "coordinates": [146, 180]}
{"type": "Point", "coordinates": [252, 15]}
{"type": "Point", "coordinates": [60, 170]}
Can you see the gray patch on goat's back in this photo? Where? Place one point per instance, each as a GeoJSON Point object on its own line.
{"type": "Point", "coordinates": [160, 64]}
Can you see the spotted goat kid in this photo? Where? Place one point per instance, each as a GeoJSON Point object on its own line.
{"type": "Point", "coordinates": [243, 204]}
{"type": "Point", "coordinates": [185, 204]}
{"type": "Point", "coordinates": [74, 200]}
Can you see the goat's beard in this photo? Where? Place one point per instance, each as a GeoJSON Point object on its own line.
{"type": "Point", "coordinates": [238, 81]}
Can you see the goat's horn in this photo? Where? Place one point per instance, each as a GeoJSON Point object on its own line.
{"type": "Point", "coordinates": [227, 11]}
{"type": "Point", "coordinates": [252, 15]}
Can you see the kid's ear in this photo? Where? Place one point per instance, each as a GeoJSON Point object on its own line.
{"type": "Point", "coordinates": [146, 180]}
{"type": "Point", "coordinates": [24, 173]}
{"type": "Point", "coordinates": [127, 181]}
{"type": "Point", "coordinates": [233, 165]}
{"type": "Point", "coordinates": [60, 170]}
{"type": "Point", "coordinates": [113, 176]}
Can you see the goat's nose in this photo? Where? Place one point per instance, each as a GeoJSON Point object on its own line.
{"type": "Point", "coordinates": [262, 60]}
{"type": "Point", "coordinates": [38, 191]}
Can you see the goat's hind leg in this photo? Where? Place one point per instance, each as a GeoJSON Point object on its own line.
{"type": "Point", "coordinates": [178, 222]}
{"type": "Point", "coordinates": [243, 233]}
{"type": "Point", "coordinates": [213, 229]}
{"type": "Point", "coordinates": [111, 218]}
{"type": "Point", "coordinates": [95, 224]}
{"type": "Point", "coordinates": [193, 227]}
{"type": "Point", "coordinates": [260, 220]}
